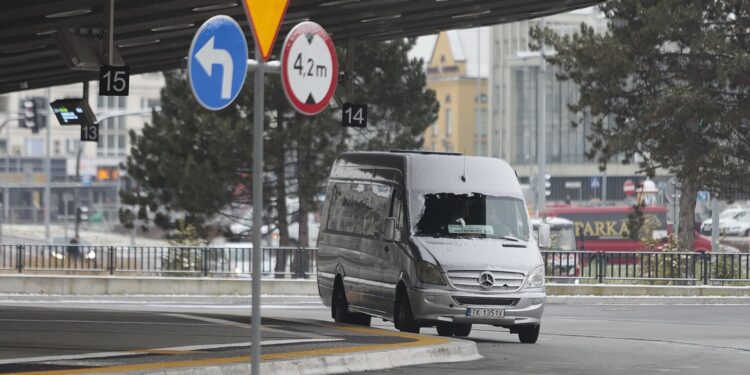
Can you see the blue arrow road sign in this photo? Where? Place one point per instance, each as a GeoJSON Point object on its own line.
{"type": "Point", "coordinates": [217, 63]}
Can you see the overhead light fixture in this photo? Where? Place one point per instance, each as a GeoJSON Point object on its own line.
{"type": "Point", "coordinates": [173, 27]}
{"type": "Point", "coordinates": [70, 13]}
{"type": "Point", "coordinates": [381, 18]}
{"type": "Point", "coordinates": [206, 8]}
{"type": "Point", "coordinates": [337, 2]}
{"type": "Point", "coordinates": [46, 32]}
{"type": "Point", "coordinates": [471, 14]}
{"type": "Point", "coordinates": [139, 44]}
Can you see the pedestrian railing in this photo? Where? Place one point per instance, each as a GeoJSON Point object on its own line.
{"type": "Point", "coordinates": [683, 268]}
{"type": "Point", "coordinates": [279, 262]}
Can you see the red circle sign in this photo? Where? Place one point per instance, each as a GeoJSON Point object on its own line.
{"type": "Point", "coordinates": [309, 68]}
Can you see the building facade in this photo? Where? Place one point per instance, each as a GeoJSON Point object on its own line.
{"type": "Point", "coordinates": [22, 152]}
{"type": "Point", "coordinates": [457, 69]}
{"type": "Point", "coordinates": [515, 82]}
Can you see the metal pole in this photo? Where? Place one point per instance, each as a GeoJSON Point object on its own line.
{"type": "Point", "coordinates": [541, 135]}
{"type": "Point", "coordinates": [258, 112]}
{"type": "Point", "coordinates": [604, 185]}
{"type": "Point", "coordinates": [6, 196]}
{"type": "Point", "coordinates": [714, 224]}
{"type": "Point", "coordinates": [48, 181]}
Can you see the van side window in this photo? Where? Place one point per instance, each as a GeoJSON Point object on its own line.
{"type": "Point", "coordinates": [397, 211]}
{"type": "Point", "coordinates": [359, 209]}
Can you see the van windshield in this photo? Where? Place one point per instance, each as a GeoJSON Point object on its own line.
{"type": "Point", "coordinates": [473, 215]}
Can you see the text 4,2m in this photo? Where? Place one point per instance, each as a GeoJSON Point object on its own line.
{"type": "Point", "coordinates": [309, 68]}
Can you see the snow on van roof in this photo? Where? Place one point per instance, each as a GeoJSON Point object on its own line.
{"type": "Point", "coordinates": [437, 173]}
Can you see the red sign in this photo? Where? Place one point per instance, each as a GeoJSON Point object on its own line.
{"type": "Point", "coordinates": [628, 188]}
{"type": "Point", "coordinates": [309, 68]}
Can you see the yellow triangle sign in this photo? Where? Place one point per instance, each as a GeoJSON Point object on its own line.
{"type": "Point", "coordinates": [265, 17]}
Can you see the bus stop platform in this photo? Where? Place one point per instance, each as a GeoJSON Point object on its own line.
{"type": "Point", "coordinates": [73, 341]}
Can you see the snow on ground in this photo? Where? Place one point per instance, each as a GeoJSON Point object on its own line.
{"type": "Point", "coordinates": [92, 235]}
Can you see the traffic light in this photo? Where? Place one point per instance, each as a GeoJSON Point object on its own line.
{"type": "Point", "coordinates": [82, 214]}
{"type": "Point", "coordinates": [547, 185]}
{"type": "Point", "coordinates": [33, 113]}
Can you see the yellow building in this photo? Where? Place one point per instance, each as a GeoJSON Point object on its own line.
{"type": "Point", "coordinates": [457, 70]}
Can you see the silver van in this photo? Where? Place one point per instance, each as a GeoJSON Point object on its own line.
{"type": "Point", "coordinates": [426, 239]}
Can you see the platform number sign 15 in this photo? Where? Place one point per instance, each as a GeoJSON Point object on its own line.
{"type": "Point", "coordinates": [114, 80]}
{"type": "Point", "coordinates": [354, 115]}
{"type": "Point", "coordinates": [90, 133]}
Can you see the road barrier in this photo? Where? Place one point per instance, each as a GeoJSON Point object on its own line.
{"type": "Point", "coordinates": [679, 268]}
{"type": "Point", "coordinates": [594, 267]}
{"type": "Point", "coordinates": [277, 262]}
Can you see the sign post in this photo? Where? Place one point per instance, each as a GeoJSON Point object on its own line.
{"type": "Point", "coordinates": [265, 17]}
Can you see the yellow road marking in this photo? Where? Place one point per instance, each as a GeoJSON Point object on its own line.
{"type": "Point", "coordinates": [418, 340]}
{"type": "Point", "coordinates": [165, 352]}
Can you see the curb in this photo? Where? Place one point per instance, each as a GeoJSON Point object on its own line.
{"type": "Point", "coordinates": [456, 350]}
{"type": "Point", "coordinates": [646, 300]}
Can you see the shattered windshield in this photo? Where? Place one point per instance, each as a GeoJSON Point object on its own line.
{"type": "Point", "coordinates": [473, 215]}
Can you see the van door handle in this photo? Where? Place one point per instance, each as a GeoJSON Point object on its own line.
{"type": "Point", "coordinates": [387, 248]}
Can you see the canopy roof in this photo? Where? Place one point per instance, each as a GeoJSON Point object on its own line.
{"type": "Point", "coordinates": [154, 35]}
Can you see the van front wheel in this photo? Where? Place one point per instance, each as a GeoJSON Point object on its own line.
{"type": "Point", "coordinates": [528, 334]}
{"type": "Point", "coordinates": [403, 316]}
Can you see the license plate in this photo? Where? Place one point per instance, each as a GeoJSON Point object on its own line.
{"type": "Point", "coordinates": [485, 313]}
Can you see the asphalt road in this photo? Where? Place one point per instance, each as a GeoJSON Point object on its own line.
{"type": "Point", "coordinates": [593, 339]}
{"type": "Point", "coordinates": [616, 340]}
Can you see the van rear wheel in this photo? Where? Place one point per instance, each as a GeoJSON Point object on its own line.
{"type": "Point", "coordinates": [340, 309]}
{"type": "Point", "coordinates": [528, 334]}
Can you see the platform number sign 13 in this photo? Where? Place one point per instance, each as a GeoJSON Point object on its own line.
{"type": "Point", "coordinates": [354, 115]}
{"type": "Point", "coordinates": [90, 133]}
{"type": "Point", "coordinates": [114, 80]}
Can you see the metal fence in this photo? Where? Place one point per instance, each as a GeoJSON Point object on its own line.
{"type": "Point", "coordinates": [278, 262]}
{"type": "Point", "coordinates": [684, 268]}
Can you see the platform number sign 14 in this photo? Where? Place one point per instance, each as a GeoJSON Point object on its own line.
{"type": "Point", "coordinates": [114, 80]}
{"type": "Point", "coordinates": [90, 133]}
{"type": "Point", "coordinates": [354, 115]}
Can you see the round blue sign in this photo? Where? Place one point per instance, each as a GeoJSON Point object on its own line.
{"type": "Point", "coordinates": [217, 63]}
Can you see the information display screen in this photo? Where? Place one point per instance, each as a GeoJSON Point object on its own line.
{"type": "Point", "coordinates": [73, 112]}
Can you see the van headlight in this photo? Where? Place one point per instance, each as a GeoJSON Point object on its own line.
{"type": "Point", "coordinates": [535, 278]}
{"type": "Point", "coordinates": [429, 273]}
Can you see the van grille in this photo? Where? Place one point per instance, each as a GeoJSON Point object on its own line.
{"type": "Point", "coordinates": [469, 280]}
{"type": "Point", "coordinates": [486, 301]}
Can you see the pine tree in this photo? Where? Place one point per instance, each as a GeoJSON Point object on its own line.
{"type": "Point", "coordinates": [667, 81]}
{"type": "Point", "coordinates": [193, 164]}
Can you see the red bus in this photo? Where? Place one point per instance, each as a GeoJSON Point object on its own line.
{"type": "Point", "coordinates": [604, 228]}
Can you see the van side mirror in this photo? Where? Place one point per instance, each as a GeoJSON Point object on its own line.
{"type": "Point", "coordinates": [544, 240]}
{"type": "Point", "coordinates": [389, 232]}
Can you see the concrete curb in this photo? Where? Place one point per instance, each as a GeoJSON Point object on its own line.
{"type": "Point", "coordinates": [645, 300]}
{"type": "Point", "coordinates": [120, 286]}
{"type": "Point", "coordinates": [454, 351]}
{"type": "Point", "coordinates": [604, 290]}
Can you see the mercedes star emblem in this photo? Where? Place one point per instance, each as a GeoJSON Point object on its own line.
{"type": "Point", "coordinates": [486, 280]}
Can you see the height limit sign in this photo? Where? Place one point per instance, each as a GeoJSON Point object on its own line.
{"type": "Point", "coordinates": [309, 68]}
